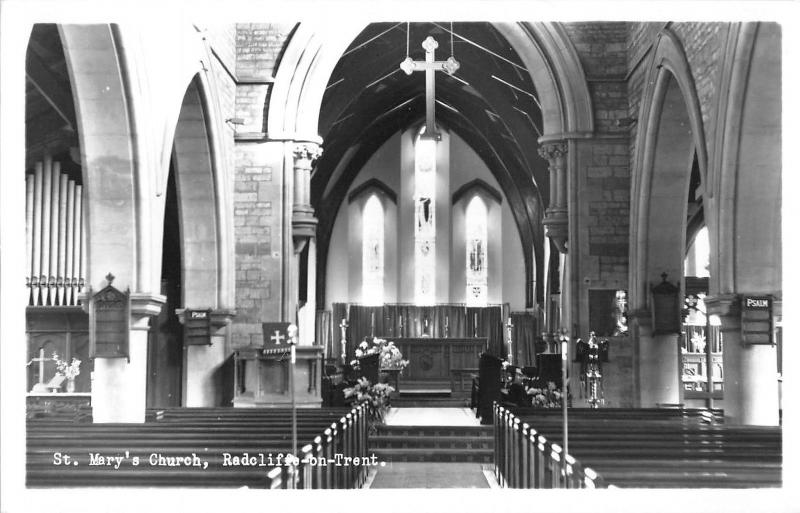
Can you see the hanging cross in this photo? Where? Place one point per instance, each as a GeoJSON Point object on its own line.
{"type": "Point", "coordinates": [430, 66]}
{"type": "Point", "coordinates": [277, 337]}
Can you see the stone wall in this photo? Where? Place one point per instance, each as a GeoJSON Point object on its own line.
{"type": "Point", "coordinates": [603, 196]}
{"type": "Point", "coordinates": [704, 46]}
{"type": "Point", "coordinates": [258, 184]}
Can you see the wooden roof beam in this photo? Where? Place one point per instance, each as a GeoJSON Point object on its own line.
{"type": "Point", "coordinates": [51, 88]}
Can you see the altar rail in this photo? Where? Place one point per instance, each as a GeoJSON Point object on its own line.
{"type": "Point", "coordinates": [318, 469]}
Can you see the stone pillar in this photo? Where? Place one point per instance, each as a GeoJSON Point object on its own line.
{"type": "Point", "coordinates": [119, 386]}
{"type": "Point", "coordinates": [202, 379]}
{"type": "Point", "coordinates": [555, 218]}
{"type": "Point", "coordinates": [308, 313]}
{"type": "Point", "coordinates": [304, 224]}
{"type": "Point", "coordinates": [304, 229]}
{"type": "Point", "coordinates": [658, 371]}
{"type": "Point", "coordinates": [751, 371]}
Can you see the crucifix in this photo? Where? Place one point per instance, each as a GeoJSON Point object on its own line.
{"type": "Point", "coordinates": [277, 337]}
{"type": "Point", "coordinates": [40, 386]}
{"type": "Point", "coordinates": [343, 326]}
{"type": "Point", "coordinates": [509, 326]}
{"type": "Point", "coordinates": [430, 66]}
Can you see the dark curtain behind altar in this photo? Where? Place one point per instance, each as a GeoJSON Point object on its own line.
{"type": "Point", "coordinates": [411, 321]}
{"type": "Point", "coordinates": [524, 338]}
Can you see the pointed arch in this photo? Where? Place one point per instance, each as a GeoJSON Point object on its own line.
{"type": "Point", "coordinates": [671, 127]}
{"type": "Point", "coordinates": [372, 253]}
{"type": "Point", "coordinates": [477, 239]}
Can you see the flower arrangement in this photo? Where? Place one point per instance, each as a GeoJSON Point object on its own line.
{"type": "Point", "coordinates": [545, 397]}
{"type": "Point", "coordinates": [68, 370]}
{"type": "Point", "coordinates": [376, 396]}
{"type": "Point", "coordinates": [390, 355]}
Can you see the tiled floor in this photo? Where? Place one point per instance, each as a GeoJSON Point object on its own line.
{"type": "Point", "coordinates": [430, 475]}
{"type": "Point", "coordinates": [431, 417]}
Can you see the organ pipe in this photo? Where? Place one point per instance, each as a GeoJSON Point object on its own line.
{"type": "Point", "coordinates": [54, 236]}
{"type": "Point", "coordinates": [36, 264]}
{"type": "Point", "coordinates": [29, 190]}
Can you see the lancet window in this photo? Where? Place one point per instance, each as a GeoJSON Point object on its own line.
{"type": "Point", "coordinates": [372, 256]}
{"type": "Point", "coordinates": [476, 242]}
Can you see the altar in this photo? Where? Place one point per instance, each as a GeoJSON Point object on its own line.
{"type": "Point", "coordinates": [437, 364]}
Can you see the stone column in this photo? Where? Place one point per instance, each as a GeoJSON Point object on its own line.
{"type": "Point", "coordinates": [555, 219]}
{"type": "Point", "coordinates": [202, 381]}
{"type": "Point", "coordinates": [304, 229]}
{"type": "Point", "coordinates": [304, 224]}
{"type": "Point", "coordinates": [119, 386]}
{"type": "Point", "coordinates": [556, 227]}
{"type": "Point", "coordinates": [750, 371]}
{"type": "Point", "coordinates": [657, 377]}
{"type": "Point", "coordinates": [307, 315]}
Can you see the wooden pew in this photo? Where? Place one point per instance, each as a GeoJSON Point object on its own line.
{"type": "Point", "coordinates": [203, 434]}
{"type": "Point", "coordinates": [662, 449]}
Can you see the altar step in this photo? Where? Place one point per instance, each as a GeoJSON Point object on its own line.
{"type": "Point", "coordinates": [431, 395]}
{"type": "Point", "coordinates": [433, 443]}
{"type": "Point", "coordinates": [428, 401]}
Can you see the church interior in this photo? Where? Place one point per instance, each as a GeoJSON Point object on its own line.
{"type": "Point", "coordinates": [483, 254]}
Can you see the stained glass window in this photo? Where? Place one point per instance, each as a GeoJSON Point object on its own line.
{"type": "Point", "coordinates": [425, 222]}
{"type": "Point", "coordinates": [476, 241]}
{"type": "Point", "coordinates": [372, 252]}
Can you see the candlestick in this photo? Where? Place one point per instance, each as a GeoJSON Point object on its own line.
{"type": "Point", "coordinates": [343, 326]}
{"type": "Point", "coordinates": [510, 351]}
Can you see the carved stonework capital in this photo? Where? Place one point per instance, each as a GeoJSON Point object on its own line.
{"type": "Point", "coordinates": [728, 308]}
{"type": "Point", "coordinates": [306, 151]}
{"type": "Point", "coordinates": [553, 152]}
{"type": "Point", "coordinates": [143, 307]}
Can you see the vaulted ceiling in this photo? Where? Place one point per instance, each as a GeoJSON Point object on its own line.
{"type": "Point", "coordinates": [490, 102]}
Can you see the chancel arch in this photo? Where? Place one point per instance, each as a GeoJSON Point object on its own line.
{"type": "Point", "coordinates": [304, 74]}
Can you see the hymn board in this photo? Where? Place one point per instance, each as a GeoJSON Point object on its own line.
{"type": "Point", "coordinates": [109, 322]}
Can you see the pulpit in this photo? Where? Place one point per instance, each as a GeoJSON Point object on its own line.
{"type": "Point", "coordinates": [261, 377]}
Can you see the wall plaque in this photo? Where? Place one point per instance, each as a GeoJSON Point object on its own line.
{"type": "Point", "coordinates": [197, 327]}
{"type": "Point", "coordinates": [109, 322]}
{"type": "Point", "coordinates": [666, 309]}
{"type": "Point", "coordinates": [756, 320]}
